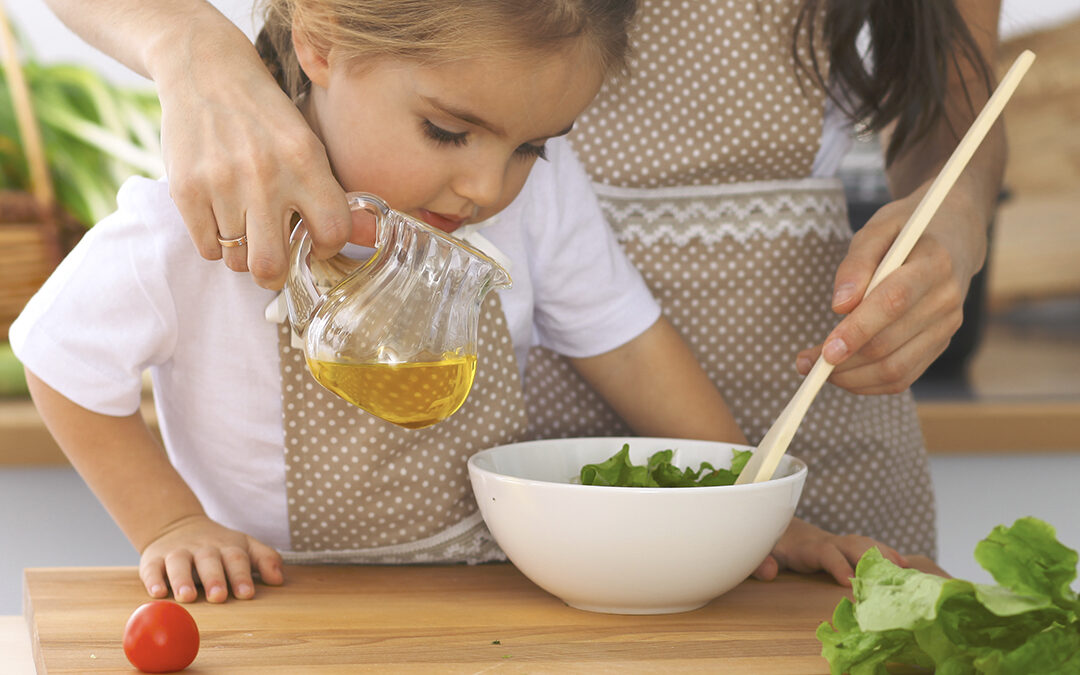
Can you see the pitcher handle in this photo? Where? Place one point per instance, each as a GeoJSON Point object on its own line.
{"type": "Point", "coordinates": [301, 295]}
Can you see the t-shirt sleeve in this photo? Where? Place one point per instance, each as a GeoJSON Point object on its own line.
{"type": "Point", "coordinates": [103, 317]}
{"type": "Point", "coordinates": [589, 297]}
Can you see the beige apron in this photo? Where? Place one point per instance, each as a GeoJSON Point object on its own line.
{"type": "Point", "coordinates": [363, 490]}
{"type": "Point", "coordinates": [699, 162]}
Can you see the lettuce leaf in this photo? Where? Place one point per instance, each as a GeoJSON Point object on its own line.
{"type": "Point", "coordinates": [1028, 624]}
{"type": "Point", "coordinates": [658, 471]}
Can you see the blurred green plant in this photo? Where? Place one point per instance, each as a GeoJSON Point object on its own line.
{"type": "Point", "coordinates": [96, 135]}
{"type": "Point", "coordinates": [12, 378]}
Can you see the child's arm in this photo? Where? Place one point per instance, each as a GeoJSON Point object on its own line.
{"type": "Point", "coordinates": [657, 386]}
{"type": "Point", "coordinates": [131, 475]}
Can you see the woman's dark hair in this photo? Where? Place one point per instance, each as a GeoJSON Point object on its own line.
{"type": "Point", "coordinates": [913, 47]}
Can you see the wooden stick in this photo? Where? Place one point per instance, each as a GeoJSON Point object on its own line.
{"type": "Point", "coordinates": [40, 182]}
{"type": "Point", "coordinates": [776, 440]}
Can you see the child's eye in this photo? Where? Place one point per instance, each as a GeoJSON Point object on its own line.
{"type": "Point", "coordinates": [457, 139]}
{"type": "Point", "coordinates": [442, 136]}
{"type": "Point", "coordinates": [528, 151]}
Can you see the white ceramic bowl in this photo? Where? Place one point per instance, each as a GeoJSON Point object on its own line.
{"type": "Point", "coordinates": [629, 550]}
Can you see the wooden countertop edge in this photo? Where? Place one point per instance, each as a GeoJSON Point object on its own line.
{"type": "Point", "coordinates": [981, 427]}
{"type": "Point", "coordinates": [31, 628]}
{"type": "Point", "coordinates": [950, 427]}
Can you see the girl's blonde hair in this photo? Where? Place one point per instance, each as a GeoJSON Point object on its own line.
{"type": "Point", "coordinates": [437, 31]}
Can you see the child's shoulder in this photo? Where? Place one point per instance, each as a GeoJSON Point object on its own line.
{"type": "Point", "coordinates": [145, 216]}
{"type": "Point", "coordinates": [148, 201]}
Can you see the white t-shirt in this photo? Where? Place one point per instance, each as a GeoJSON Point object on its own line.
{"type": "Point", "coordinates": [135, 295]}
{"type": "Point", "coordinates": [836, 141]}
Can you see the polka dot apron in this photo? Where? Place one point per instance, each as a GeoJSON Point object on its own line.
{"type": "Point", "coordinates": [363, 490]}
{"type": "Point", "coordinates": [700, 163]}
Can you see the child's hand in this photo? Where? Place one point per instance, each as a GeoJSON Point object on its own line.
{"type": "Point", "coordinates": [805, 548]}
{"type": "Point", "coordinates": [197, 546]}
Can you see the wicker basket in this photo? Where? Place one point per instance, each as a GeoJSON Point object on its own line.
{"type": "Point", "coordinates": [29, 231]}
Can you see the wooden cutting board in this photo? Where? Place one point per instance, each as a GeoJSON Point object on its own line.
{"type": "Point", "coordinates": [441, 619]}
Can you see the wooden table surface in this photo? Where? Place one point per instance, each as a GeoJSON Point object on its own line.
{"type": "Point", "coordinates": [445, 619]}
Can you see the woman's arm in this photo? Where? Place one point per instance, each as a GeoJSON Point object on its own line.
{"type": "Point", "coordinates": [239, 156]}
{"type": "Point", "coordinates": [890, 337]}
{"type": "Point", "coordinates": [131, 475]}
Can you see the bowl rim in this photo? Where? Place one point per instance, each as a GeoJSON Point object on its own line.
{"type": "Point", "coordinates": [798, 474]}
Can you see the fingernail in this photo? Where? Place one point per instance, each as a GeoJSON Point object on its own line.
{"type": "Point", "coordinates": [803, 365]}
{"type": "Point", "coordinates": [185, 592]}
{"type": "Point", "coordinates": [835, 349]}
{"type": "Point", "coordinates": [243, 589]}
{"type": "Point", "coordinates": [843, 293]}
{"type": "Point", "coordinates": [156, 590]}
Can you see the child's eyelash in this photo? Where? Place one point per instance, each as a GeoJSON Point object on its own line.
{"type": "Point", "coordinates": [528, 150]}
{"type": "Point", "coordinates": [441, 136]}
{"type": "Point", "coordinates": [444, 137]}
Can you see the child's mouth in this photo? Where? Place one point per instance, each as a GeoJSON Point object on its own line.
{"type": "Point", "coordinates": [438, 220]}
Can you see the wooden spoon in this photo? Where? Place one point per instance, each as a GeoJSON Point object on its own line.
{"type": "Point", "coordinates": [776, 440]}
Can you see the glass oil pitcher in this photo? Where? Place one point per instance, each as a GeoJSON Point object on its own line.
{"type": "Point", "coordinates": [397, 335]}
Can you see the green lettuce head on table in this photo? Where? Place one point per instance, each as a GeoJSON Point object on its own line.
{"type": "Point", "coordinates": [1026, 625]}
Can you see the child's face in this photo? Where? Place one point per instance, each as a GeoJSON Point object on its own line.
{"type": "Point", "coordinates": [448, 144]}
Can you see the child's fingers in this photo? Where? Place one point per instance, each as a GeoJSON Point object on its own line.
{"type": "Point", "coordinates": [238, 571]}
{"type": "Point", "coordinates": [179, 572]}
{"type": "Point", "coordinates": [767, 570]}
{"type": "Point", "coordinates": [893, 556]}
{"type": "Point", "coordinates": [152, 573]}
{"type": "Point", "coordinates": [267, 561]}
{"type": "Point", "coordinates": [212, 574]}
{"type": "Point", "coordinates": [835, 562]}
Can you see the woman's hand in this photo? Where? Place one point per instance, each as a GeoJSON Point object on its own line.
{"type": "Point", "coordinates": [806, 549]}
{"type": "Point", "coordinates": [197, 547]}
{"type": "Point", "coordinates": [893, 334]}
{"type": "Point", "coordinates": [240, 157]}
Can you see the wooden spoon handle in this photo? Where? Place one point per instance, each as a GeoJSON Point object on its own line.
{"type": "Point", "coordinates": [776, 440]}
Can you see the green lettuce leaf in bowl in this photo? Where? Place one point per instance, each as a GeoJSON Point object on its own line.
{"type": "Point", "coordinates": [1028, 624]}
{"type": "Point", "coordinates": [658, 471]}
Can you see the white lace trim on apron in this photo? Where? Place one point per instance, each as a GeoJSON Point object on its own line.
{"type": "Point", "coordinates": [712, 213]}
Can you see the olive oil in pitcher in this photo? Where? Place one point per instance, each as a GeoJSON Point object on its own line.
{"type": "Point", "coordinates": [395, 335]}
{"type": "Point", "coordinates": [413, 395]}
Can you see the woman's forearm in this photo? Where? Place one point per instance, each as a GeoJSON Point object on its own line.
{"type": "Point", "coordinates": [121, 462]}
{"type": "Point", "coordinates": [148, 36]}
{"type": "Point", "coordinates": [919, 162]}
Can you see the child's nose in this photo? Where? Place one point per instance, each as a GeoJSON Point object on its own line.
{"type": "Point", "coordinates": [481, 183]}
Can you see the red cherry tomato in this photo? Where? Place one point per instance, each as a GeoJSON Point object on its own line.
{"type": "Point", "coordinates": [161, 637]}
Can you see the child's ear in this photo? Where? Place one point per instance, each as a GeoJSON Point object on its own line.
{"type": "Point", "coordinates": [312, 61]}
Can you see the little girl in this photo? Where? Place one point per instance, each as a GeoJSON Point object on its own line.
{"type": "Point", "coordinates": [442, 110]}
